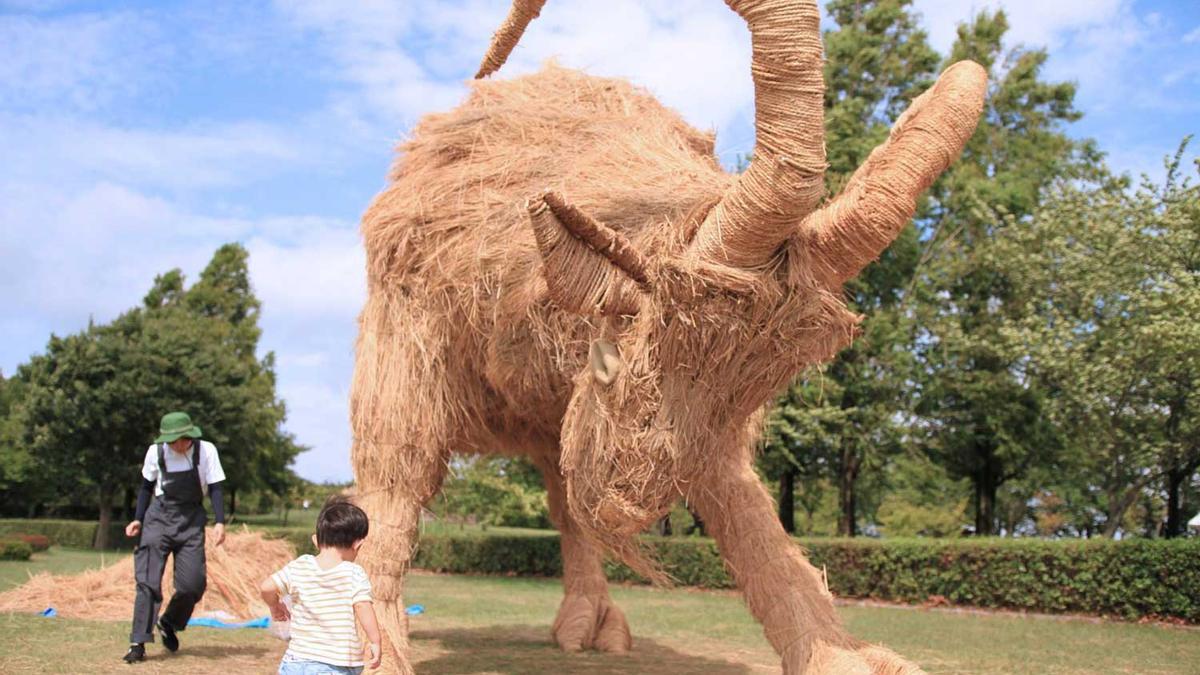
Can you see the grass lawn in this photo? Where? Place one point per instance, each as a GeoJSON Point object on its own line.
{"type": "Point", "coordinates": [56, 560]}
{"type": "Point", "coordinates": [501, 625]}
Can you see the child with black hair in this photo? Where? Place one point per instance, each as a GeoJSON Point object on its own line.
{"type": "Point", "coordinates": [329, 594]}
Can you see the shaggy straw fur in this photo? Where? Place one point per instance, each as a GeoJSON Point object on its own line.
{"type": "Point", "coordinates": [234, 572]}
{"type": "Point", "coordinates": [560, 268]}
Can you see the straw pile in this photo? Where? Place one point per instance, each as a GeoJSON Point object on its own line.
{"type": "Point", "coordinates": [234, 572]}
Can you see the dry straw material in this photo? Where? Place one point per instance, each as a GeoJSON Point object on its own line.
{"type": "Point", "coordinates": [559, 268]}
{"type": "Point", "coordinates": [235, 570]}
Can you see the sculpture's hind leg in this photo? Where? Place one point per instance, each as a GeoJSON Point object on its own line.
{"type": "Point", "coordinates": [402, 436]}
{"type": "Point", "coordinates": [587, 617]}
{"type": "Point", "coordinates": [395, 513]}
{"type": "Point", "coordinates": [783, 590]}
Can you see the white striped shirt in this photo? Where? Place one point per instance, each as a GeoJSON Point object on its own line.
{"type": "Point", "coordinates": [323, 626]}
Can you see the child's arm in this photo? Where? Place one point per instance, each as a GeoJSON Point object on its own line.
{"type": "Point", "coordinates": [270, 595]}
{"type": "Point", "coordinates": [365, 613]}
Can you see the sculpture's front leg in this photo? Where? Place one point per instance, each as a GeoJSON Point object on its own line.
{"type": "Point", "coordinates": [785, 593]}
{"type": "Point", "coordinates": [587, 617]}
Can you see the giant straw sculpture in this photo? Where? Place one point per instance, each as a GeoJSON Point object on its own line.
{"type": "Point", "coordinates": [559, 268]}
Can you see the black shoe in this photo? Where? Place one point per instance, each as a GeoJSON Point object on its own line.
{"type": "Point", "coordinates": [170, 640]}
{"type": "Point", "coordinates": [136, 653]}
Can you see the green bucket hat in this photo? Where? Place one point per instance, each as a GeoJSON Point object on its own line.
{"type": "Point", "coordinates": [174, 425]}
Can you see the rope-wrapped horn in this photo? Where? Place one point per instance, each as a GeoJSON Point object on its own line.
{"type": "Point", "coordinates": [506, 37]}
{"type": "Point", "coordinates": [785, 179]}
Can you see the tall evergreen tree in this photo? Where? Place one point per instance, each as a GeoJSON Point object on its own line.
{"type": "Point", "coordinates": [93, 400]}
{"type": "Point", "coordinates": [877, 61]}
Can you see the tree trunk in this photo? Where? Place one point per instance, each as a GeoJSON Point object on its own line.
{"type": "Point", "coordinates": [663, 526]}
{"type": "Point", "coordinates": [232, 501]}
{"type": "Point", "coordinates": [1176, 524]}
{"type": "Point", "coordinates": [847, 497]}
{"type": "Point", "coordinates": [106, 509]}
{"type": "Point", "coordinates": [986, 485]}
{"type": "Point", "coordinates": [697, 524]}
{"type": "Point", "coordinates": [787, 499]}
{"type": "Point", "coordinates": [1117, 506]}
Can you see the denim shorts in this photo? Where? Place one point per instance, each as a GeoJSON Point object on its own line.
{"type": "Point", "coordinates": [316, 668]}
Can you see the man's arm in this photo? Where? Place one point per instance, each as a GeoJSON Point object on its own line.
{"type": "Point", "coordinates": [145, 494]}
{"type": "Point", "coordinates": [216, 495]}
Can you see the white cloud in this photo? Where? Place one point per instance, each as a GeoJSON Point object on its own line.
{"type": "Point", "coordinates": [80, 61]}
{"type": "Point", "coordinates": [1193, 36]}
{"type": "Point", "coordinates": [310, 268]}
{"type": "Point", "coordinates": [694, 55]}
{"type": "Point", "coordinates": [214, 155]}
{"type": "Point", "coordinates": [1034, 23]}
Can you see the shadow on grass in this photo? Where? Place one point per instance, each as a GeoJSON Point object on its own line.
{"type": "Point", "coordinates": [207, 652]}
{"type": "Point", "coordinates": [528, 649]}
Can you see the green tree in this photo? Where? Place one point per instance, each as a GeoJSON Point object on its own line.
{"type": "Point", "coordinates": [21, 485]}
{"type": "Point", "coordinates": [77, 414]}
{"type": "Point", "coordinates": [877, 61]}
{"type": "Point", "coordinates": [922, 500]}
{"type": "Point", "coordinates": [501, 491]}
{"type": "Point", "coordinates": [93, 400]}
{"type": "Point", "coordinates": [240, 411]}
{"type": "Point", "coordinates": [1110, 279]}
{"type": "Point", "coordinates": [980, 414]}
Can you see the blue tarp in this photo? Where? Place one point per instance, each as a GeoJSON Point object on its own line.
{"type": "Point", "coordinates": [217, 623]}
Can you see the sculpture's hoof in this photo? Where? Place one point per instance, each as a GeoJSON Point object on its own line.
{"type": "Point", "coordinates": [822, 658]}
{"type": "Point", "coordinates": [393, 664]}
{"type": "Point", "coordinates": [884, 661]}
{"type": "Point", "coordinates": [393, 623]}
{"type": "Point", "coordinates": [591, 622]}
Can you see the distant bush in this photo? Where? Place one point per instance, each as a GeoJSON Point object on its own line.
{"type": "Point", "coordinates": [15, 549]}
{"type": "Point", "coordinates": [38, 542]}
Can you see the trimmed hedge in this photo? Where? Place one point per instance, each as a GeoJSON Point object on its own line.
{"type": "Point", "coordinates": [69, 533]}
{"type": "Point", "coordinates": [15, 549]}
{"type": "Point", "coordinates": [1127, 579]}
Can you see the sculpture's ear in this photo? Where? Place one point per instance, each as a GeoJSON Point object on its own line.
{"type": "Point", "coordinates": [588, 266]}
{"type": "Point", "coordinates": [605, 361]}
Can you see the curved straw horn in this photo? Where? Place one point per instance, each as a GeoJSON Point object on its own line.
{"type": "Point", "coordinates": [881, 196]}
{"type": "Point", "coordinates": [588, 266]}
{"type": "Point", "coordinates": [785, 180]}
{"type": "Point", "coordinates": [506, 37]}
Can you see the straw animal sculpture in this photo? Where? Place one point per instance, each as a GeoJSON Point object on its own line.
{"type": "Point", "coordinates": [559, 268]}
{"type": "Point", "coordinates": [234, 572]}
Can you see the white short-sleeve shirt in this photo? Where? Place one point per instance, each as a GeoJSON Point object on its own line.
{"type": "Point", "coordinates": [210, 465]}
{"type": "Point", "coordinates": [323, 623]}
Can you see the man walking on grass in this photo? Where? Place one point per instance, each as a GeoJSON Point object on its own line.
{"type": "Point", "coordinates": [179, 468]}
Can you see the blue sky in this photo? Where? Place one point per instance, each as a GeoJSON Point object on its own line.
{"type": "Point", "coordinates": [138, 137]}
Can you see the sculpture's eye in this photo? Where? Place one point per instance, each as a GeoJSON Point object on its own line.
{"type": "Point", "coordinates": [605, 361]}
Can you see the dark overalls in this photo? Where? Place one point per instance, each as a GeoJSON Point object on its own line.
{"type": "Point", "coordinates": [174, 523]}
